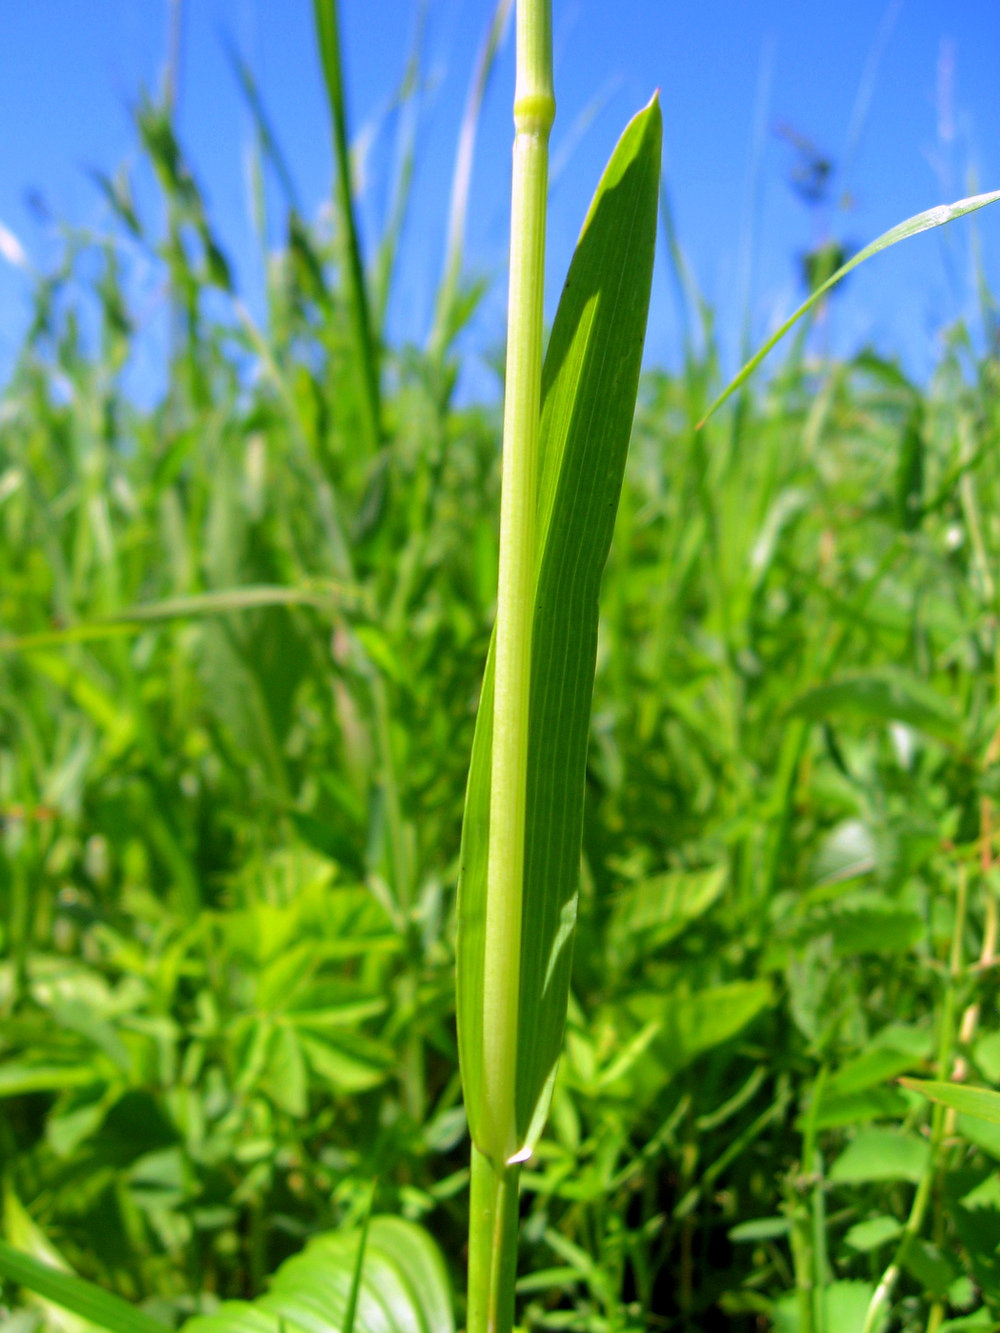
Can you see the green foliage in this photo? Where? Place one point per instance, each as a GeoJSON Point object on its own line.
{"type": "Point", "coordinates": [241, 650]}
{"type": "Point", "coordinates": [82, 1298]}
{"type": "Point", "coordinates": [403, 1287]}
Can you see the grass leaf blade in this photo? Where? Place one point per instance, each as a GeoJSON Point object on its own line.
{"type": "Point", "coordinates": [328, 36]}
{"type": "Point", "coordinates": [933, 217]}
{"type": "Point", "coordinates": [74, 1293]}
{"type": "Point", "coordinates": [982, 1103]}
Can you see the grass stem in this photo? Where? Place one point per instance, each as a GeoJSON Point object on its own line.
{"type": "Point", "coordinates": [493, 1226]}
{"type": "Point", "coordinates": [534, 110]}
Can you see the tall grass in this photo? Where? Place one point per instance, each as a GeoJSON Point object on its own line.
{"type": "Point", "coordinates": [242, 651]}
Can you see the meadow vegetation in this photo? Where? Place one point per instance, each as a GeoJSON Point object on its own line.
{"type": "Point", "coordinates": [242, 639]}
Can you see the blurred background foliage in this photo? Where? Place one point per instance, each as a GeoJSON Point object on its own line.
{"type": "Point", "coordinates": [241, 639]}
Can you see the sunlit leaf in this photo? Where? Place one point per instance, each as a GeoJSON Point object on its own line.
{"type": "Point", "coordinates": [933, 217]}
{"type": "Point", "coordinates": [589, 386]}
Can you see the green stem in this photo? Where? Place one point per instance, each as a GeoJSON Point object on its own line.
{"type": "Point", "coordinates": [820, 1259]}
{"type": "Point", "coordinates": [946, 1043]}
{"type": "Point", "coordinates": [534, 109]}
{"type": "Point", "coordinates": [493, 1224]}
{"type": "Point", "coordinates": [492, 1246]}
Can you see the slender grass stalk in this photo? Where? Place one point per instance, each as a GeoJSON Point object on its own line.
{"type": "Point", "coordinates": [493, 1225]}
{"type": "Point", "coordinates": [534, 109]}
{"type": "Point", "coordinates": [328, 31]}
{"type": "Point", "coordinates": [462, 179]}
{"type": "Point", "coordinates": [939, 1121]}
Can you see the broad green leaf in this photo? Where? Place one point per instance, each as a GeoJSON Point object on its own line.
{"type": "Point", "coordinates": [285, 1076]}
{"type": "Point", "coordinates": [21, 1076]}
{"type": "Point", "coordinates": [933, 217]}
{"type": "Point", "coordinates": [875, 929]}
{"type": "Point", "coordinates": [876, 1065]}
{"type": "Point", "coordinates": [865, 1236]}
{"type": "Point", "coordinates": [916, 1042]}
{"type": "Point", "coordinates": [344, 1070]}
{"type": "Point", "coordinates": [855, 1108]}
{"type": "Point", "coordinates": [987, 1193]}
{"type": "Point", "coordinates": [403, 1287]}
{"type": "Point", "coordinates": [589, 385]}
{"type": "Point", "coordinates": [881, 697]}
{"type": "Point", "coordinates": [658, 909]}
{"type": "Point", "coordinates": [846, 1305]}
{"type": "Point", "coordinates": [687, 1025]}
{"type": "Point", "coordinates": [762, 1228]}
{"type": "Point", "coordinates": [978, 1102]}
{"type": "Point", "coordinates": [881, 1154]}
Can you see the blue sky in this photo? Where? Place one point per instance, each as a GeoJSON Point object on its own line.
{"type": "Point", "coordinates": [71, 69]}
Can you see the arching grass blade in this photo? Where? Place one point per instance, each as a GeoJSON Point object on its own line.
{"type": "Point", "coordinates": [73, 1293]}
{"type": "Point", "coordinates": [933, 217]}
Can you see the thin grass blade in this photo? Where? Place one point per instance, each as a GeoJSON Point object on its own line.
{"type": "Point", "coordinates": [226, 601]}
{"type": "Point", "coordinates": [74, 1293]}
{"type": "Point", "coordinates": [462, 178]}
{"type": "Point", "coordinates": [328, 34]}
{"type": "Point", "coordinates": [933, 217]}
{"type": "Point", "coordinates": [359, 1263]}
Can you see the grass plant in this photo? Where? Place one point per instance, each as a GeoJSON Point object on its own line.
{"type": "Point", "coordinates": [733, 1060]}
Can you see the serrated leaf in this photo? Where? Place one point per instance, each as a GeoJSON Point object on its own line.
{"type": "Point", "coordinates": [589, 385]}
{"type": "Point", "coordinates": [881, 1154]}
{"type": "Point", "coordinates": [933, 1270]}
